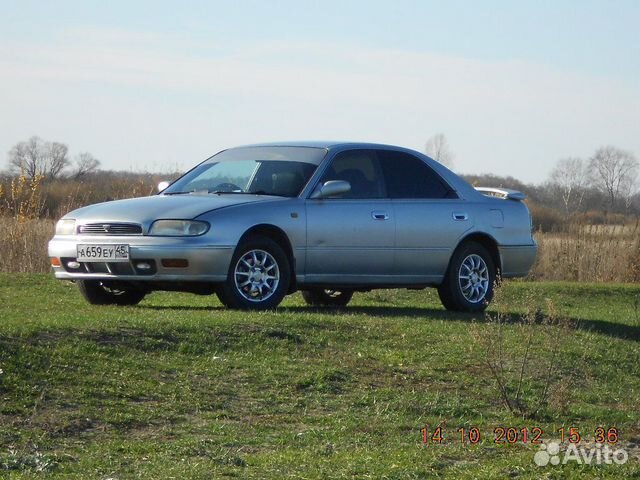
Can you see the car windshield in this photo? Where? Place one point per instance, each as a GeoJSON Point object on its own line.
{"type": "Point", "coordinates": [281, 171]}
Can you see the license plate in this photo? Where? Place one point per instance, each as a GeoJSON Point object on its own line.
{"type": "Point", "coordinates": [103, 253]}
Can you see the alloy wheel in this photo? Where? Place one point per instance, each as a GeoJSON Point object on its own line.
{"type": "Point", "coordinates": [256, 275]}
{"type": "Point", "coordinates": [473, 278]}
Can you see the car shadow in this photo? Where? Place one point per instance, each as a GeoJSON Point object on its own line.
{"type": "Point", "coordinates": [181, 307]}
{"type": "Point", "coordinates": [617, 330]}
{"type": "Point", "coordinates": [604, 327]}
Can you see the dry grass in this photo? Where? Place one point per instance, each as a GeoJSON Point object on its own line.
{"type": "Point", "coordinates": [23, 234]}
{"type": "Point", "coordinates": [593, 253]}
{"type": "Point", "coordinates": [28, 209]}
{"type": "Point", "coordinates": [23, 244]}
{"type": "Point", "coordinates": [526, 382]}
{"type": "Point", "coordinates": [62, 196]}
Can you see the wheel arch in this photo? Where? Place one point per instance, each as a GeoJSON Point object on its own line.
{"type": "Point", "coordinates": [280, 237]}
{"type": "Point", "coordinates": [488, 242]}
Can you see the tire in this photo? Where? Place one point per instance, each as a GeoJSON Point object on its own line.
{"type": "Point", "coordinates": [318, 297]}
{"type": "Point", "coordinates": [265, 265]}
{"type": "Point", "coordinates": [97, 293]}
{"type": "Point", "coordinates": [472, 294]}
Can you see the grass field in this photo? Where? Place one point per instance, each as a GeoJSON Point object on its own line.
{"type": "Point", "coordinates": [178, 387]}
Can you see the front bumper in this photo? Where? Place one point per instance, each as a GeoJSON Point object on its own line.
{"type": "Point", "coordinates": [206, 263]}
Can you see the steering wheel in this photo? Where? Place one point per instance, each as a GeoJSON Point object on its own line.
{"type": "Point", "coordinates": [226, 187]}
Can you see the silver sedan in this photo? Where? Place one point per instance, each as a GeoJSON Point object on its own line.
{"type": "Point", "coordinates": [255, 223]}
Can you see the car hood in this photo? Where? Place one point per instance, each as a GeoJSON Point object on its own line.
{"type": "Point", "coordinates": [145, 210]}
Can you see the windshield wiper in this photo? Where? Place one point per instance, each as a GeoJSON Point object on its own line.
{"type": "Point", "coordinates": [262, 192]}
{"type": "Point", "coordinates": [232, 192]}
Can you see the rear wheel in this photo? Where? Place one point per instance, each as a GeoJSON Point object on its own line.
{"type": "Point", "coordinates": [319, 297]}
{"type": "Point", "coordinates": [258, 277]}
{"type": "Point", "coordinates": [99, 293]}
{"type": "Point", "coordinates": [468, 284]}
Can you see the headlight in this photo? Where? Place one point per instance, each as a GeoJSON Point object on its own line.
{"type": "Point", "coordinates": [66, 227]}
{"type": "Point", "coordinates": [178, 228]}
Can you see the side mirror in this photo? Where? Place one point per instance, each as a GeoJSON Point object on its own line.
{"type": "Point", "coordinates": [331, 189]}
{"type": "Point", "coordinates": [163, 186]}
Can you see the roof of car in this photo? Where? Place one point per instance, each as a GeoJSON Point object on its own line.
{"type": "Point", "coordinates": [324, 144]}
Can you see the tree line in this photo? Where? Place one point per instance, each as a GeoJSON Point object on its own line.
{"type": "Point", "coordinates": [610, 170]}
{"type": "Point", "coordinates": [606, 181]}
{"type": "Point", "coordinates": [49, 160]}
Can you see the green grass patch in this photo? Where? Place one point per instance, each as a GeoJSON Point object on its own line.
{"type": "Point", "coordinates": [180, 387]}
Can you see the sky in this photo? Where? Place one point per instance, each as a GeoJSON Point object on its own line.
{"type": "Point", "coordinates": [161, 85]}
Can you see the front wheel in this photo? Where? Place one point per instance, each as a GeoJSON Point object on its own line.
{"type": "Point", "coordinates": [468, 284]}
{"type": "Point", "coordinates": [318, 297]}
{"type": "Point", "coordinates": [99, 293]}
{"type": "Point", "coordinates": [258, 277]}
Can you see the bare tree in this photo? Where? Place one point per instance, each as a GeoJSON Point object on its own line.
{"type": "Point", "coordinates": [613, 171]}
{"type": "Point", "coordinates": [27, 157]}
{"type": "Point", "coordinates": [56, 159]}
{"type": "Point", "coordinates": [629, 188]}
{"type": "Point", "coordinates": [437, 147]}
{"type": "Point", "coordinates": [85, 164]}
{"type": "Point", "coordinates": [570, 179]}
{"type": "Point", "coordinates": [36, 157]}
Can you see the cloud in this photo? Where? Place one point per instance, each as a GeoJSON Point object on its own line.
{"type": "Point", "coordinates": [510, 117]}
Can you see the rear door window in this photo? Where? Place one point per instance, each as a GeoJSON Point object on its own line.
{"type": "Point", "coordinates": [407, 176]}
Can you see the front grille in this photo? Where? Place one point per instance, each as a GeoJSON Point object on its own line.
{"type": "Point", "coordinates": [110, 229]}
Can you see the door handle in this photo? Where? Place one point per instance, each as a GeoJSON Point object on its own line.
{"type": "Point", "coordinates": [460, 216]}
{"type": "Point", "coordinates": [379, 216]}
